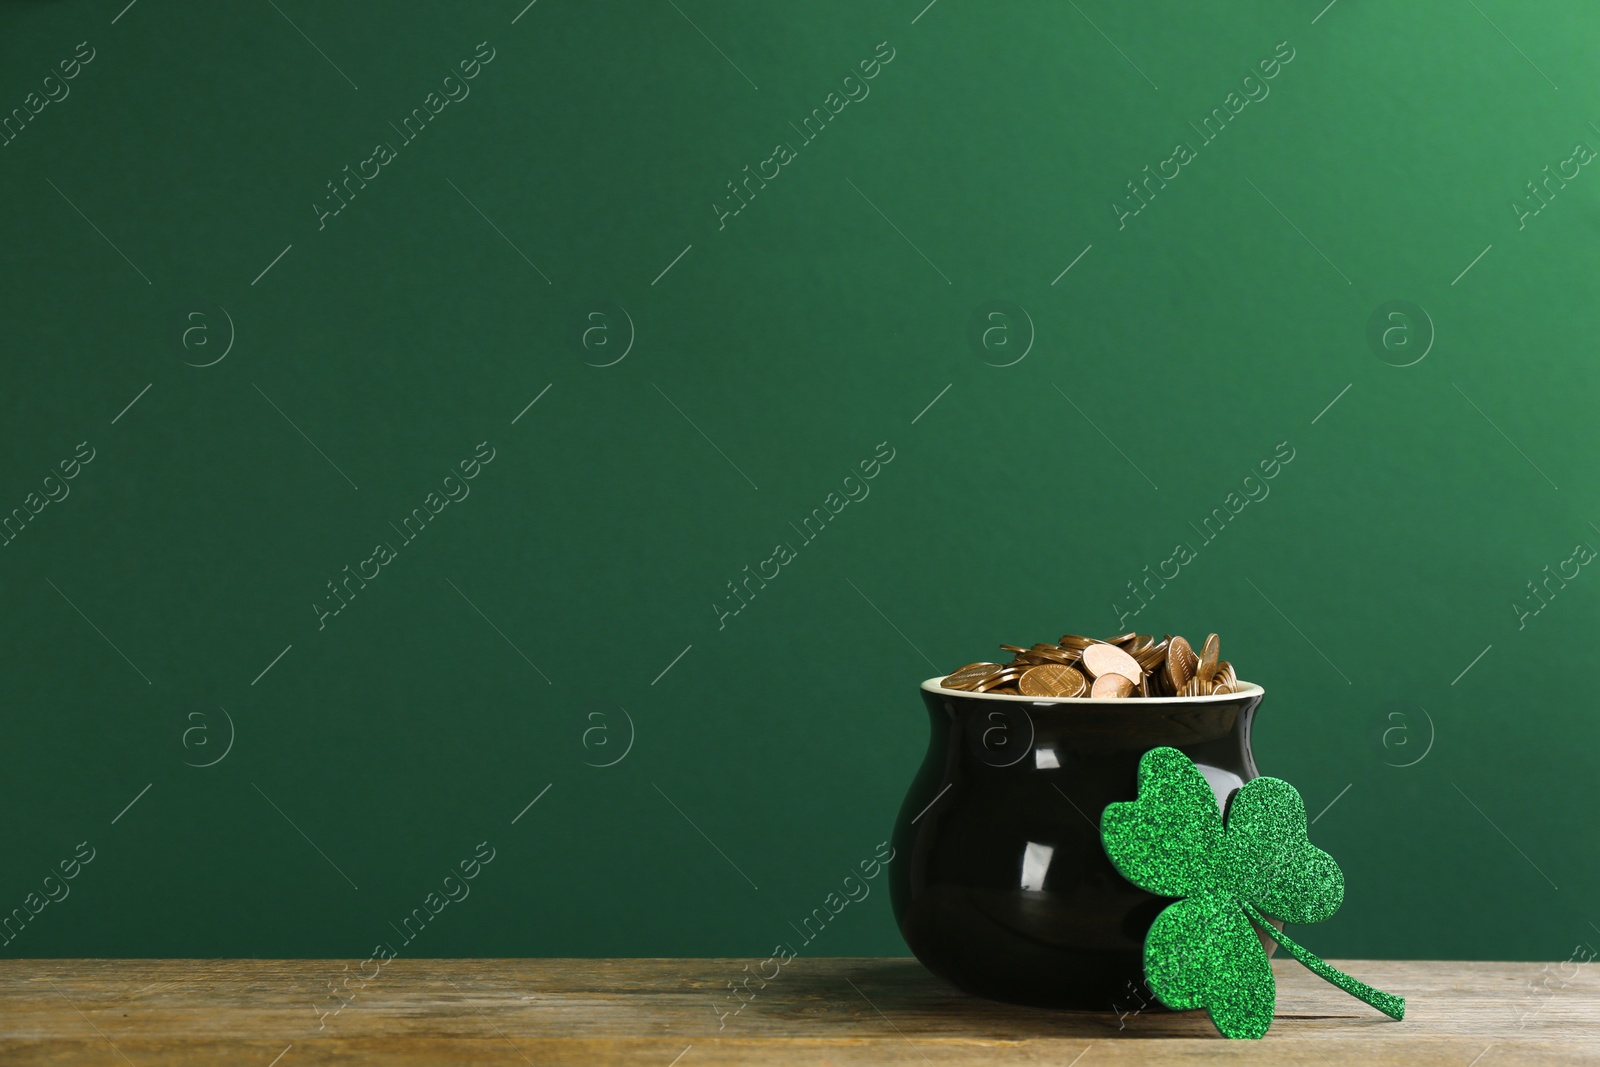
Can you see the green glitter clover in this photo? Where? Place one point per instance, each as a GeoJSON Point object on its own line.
{"type": "Point", "coordinates": [1202, 951]}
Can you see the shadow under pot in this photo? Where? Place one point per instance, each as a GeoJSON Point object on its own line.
{"type": "Point", "coordinates": [1001, 885]}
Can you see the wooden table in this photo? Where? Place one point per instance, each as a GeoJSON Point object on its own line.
{"type": "Point", "coordinates": [663, 1013]}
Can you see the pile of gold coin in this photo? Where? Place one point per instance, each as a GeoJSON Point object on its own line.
{"type": "Point", "coordinates": [1132, 665]}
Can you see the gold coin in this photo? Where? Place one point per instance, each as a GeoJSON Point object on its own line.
{"type": "Point", "coordinates": [1152, 656]}
{"type": "Point", "coordinates": [1006, 676]}
{"type": "Point", "coordinates": [1225, 681]}
{"type": "Point", "coordinates": [1053, 654]}
{"type": "Point", "coordinates": [1191, 688]}
{"type": "Point", "coordinates": [968, 677]}
{"type": "Point", "coordinates": [1074, 642]}
{"type": "Point", "coordinates": [1111, 685]}
{"type": "Point", "coordinates": [1109, 659]}
{"type": "Point", "coordinates": [1181, 662]}
{"type": "Point", "coordinates": [1051, 680]}
{"type": "Point", "coordinates": [1208, 658]}
{"type": "Point", "coordinates": [1121, 640]}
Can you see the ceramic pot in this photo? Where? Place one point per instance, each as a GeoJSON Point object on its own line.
{"type": "Point", "coordinates": [1001, 885]}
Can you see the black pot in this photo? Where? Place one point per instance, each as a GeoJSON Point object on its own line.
{"type": "Point", "coordinates": [1001, 886]}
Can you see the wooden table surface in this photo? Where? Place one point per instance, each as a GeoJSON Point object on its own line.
{"type": "Point", "coordinates": [664, 1013]}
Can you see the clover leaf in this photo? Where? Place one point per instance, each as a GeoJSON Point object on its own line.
{"type": "Point", "coordinates": [1202, 950]}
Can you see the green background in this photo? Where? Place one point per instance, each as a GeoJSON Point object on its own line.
{"type": "Point", "coordinates": [821, 321]}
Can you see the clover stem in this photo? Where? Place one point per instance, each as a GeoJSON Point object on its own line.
{"type": "Point", "coordinates": [1390, 1005]}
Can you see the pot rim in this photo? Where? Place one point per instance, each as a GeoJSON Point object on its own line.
{"type": "Point", "coordinates": [1247, 689]}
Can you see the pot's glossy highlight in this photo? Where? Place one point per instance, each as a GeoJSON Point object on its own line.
{"type": "Point", "coordinates": [1001, 886]}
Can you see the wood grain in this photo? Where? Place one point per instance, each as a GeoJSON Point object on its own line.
{"type": "Point", "coordinates": [661, 1012]}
